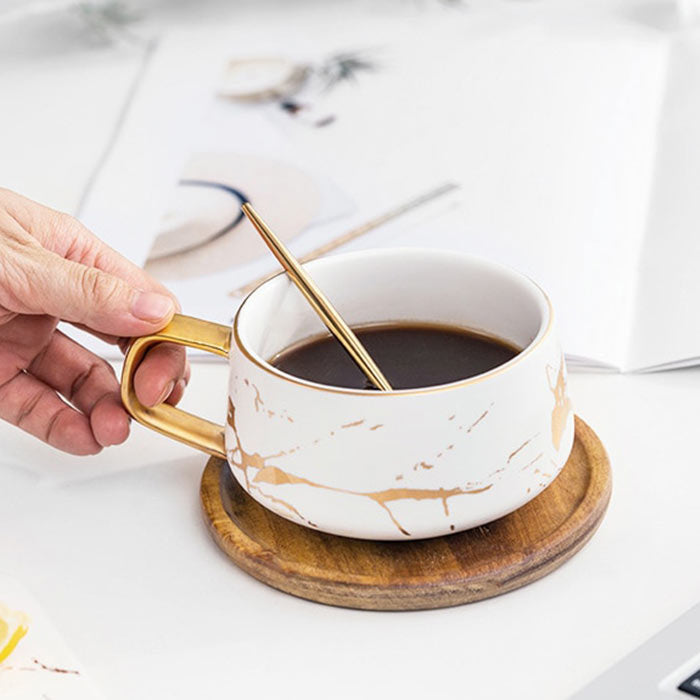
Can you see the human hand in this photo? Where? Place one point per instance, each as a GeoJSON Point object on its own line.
{"type": "Point", "coordinates": [52, 268]}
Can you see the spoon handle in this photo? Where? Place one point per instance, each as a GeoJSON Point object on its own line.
{"type": "Point", "coordinates": [319, 302]}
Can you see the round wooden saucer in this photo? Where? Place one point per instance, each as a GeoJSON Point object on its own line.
{"type": "Point", "coordinates": [418, 574]}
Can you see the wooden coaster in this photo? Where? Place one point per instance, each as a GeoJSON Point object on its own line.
{"type": "Point", "coordinates": [418, 574]}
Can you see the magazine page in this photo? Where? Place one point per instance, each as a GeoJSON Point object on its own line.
{"type": "Point", "coordinates": [666, 331]}
{"type": "Point", "coordinates": [553, 160]}
{"type": "Point", "coordinates": [35, 662]}
{"type": "Point", "coordinates": [566, 202]}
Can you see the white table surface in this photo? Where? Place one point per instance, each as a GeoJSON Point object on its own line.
{"type": "Point", "coordinates": [125, 566]}
{"type": "Point", "coordinates": [116, 551]}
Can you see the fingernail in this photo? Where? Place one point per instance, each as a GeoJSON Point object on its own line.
{"type": "Point", "coordinates": [150, 306]}
{"type": "Point", "coordinates": [166, 392]}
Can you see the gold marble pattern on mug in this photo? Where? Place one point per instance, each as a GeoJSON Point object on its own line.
{"type": "Point", "coordinates": [267, 473]}
{"type": "Point", "coordinates": [562, 403]}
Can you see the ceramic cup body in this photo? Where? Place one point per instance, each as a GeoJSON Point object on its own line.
{"type": "Point", "coordinates": [403, 464]}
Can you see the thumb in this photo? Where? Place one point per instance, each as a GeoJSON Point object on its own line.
{"type": "Point", "coordinates": [96, 299]}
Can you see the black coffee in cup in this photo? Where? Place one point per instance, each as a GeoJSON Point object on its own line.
{"type": "Point", "coordinates": [410, 354]}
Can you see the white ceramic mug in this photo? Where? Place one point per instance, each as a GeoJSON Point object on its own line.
{"type": "Point", "coordinates": [383, 465]}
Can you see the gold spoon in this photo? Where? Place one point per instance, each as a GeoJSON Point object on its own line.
{"type": "Point", "coordinates": [318, 300]}
{"type": "Point", "coordinates": [356, 232]}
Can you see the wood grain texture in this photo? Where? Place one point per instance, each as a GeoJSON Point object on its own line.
{"type": "Point", "coordinates": [419, 574]}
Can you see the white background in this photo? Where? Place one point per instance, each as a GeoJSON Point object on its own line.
{"type": "Point", "coordinates": [123, 564]}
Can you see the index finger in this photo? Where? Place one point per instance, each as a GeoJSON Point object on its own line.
{"type": "Point", "coordinates": [66, 236]}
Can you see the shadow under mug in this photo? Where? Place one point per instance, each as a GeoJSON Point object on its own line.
{"type": "Point", "coordinates": [382, 465]}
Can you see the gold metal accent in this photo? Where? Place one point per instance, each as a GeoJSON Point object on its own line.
{"type": "Point", "coordinates": [170, 421]}
{"type": "Point", "coordinates": [562, 404]}
{"type": "Point", "coordinates": [266, 473]}
{"type": "Point", "coordinates": [356, 232]}
{"type": "Point", "coordinates": [320, 303]}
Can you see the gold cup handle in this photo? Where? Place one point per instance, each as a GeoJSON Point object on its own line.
{"type": "Point", "coordinates": [168, 420]}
